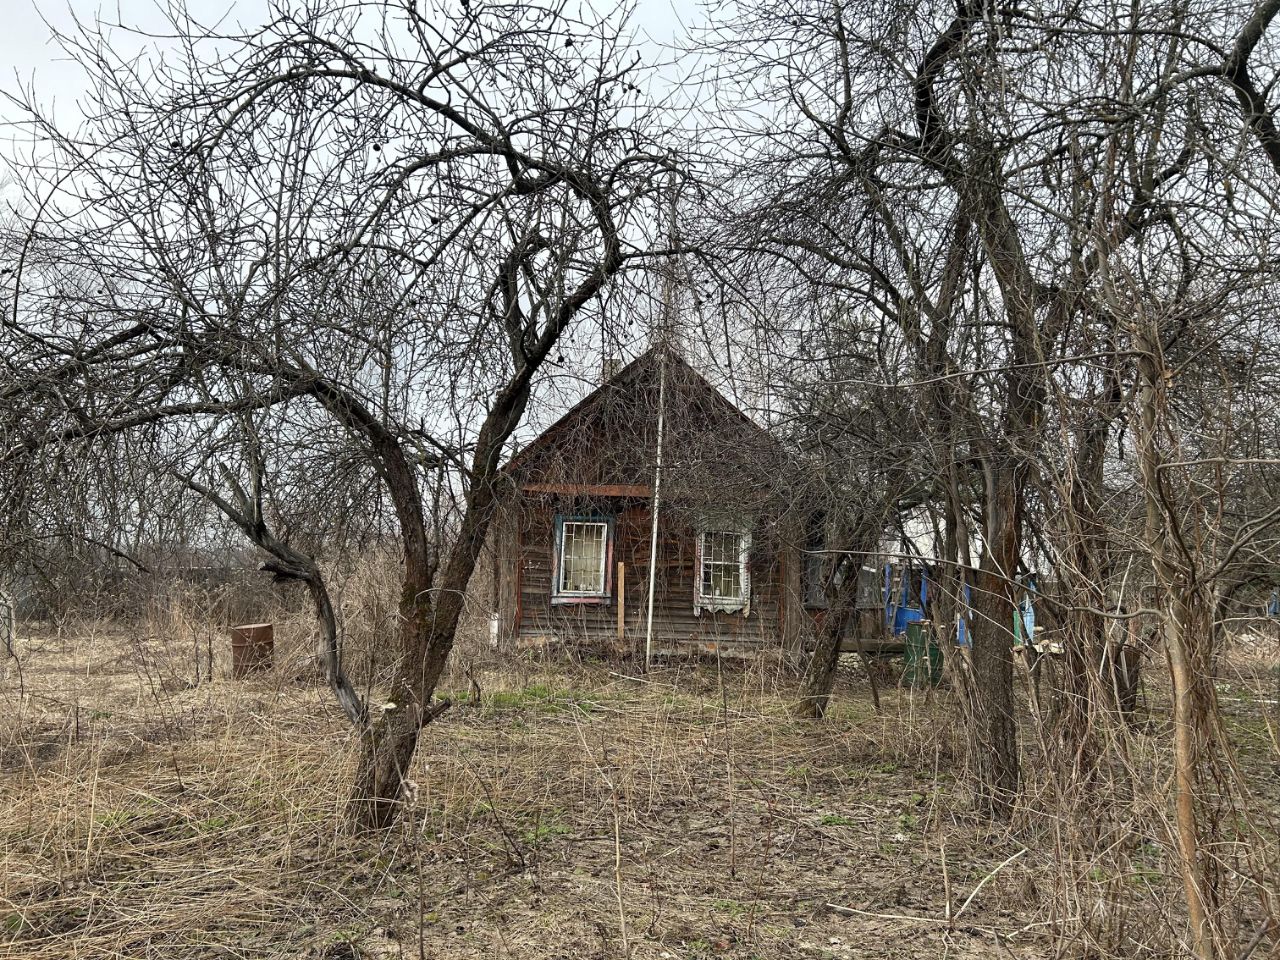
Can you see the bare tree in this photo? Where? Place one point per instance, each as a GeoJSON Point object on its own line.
{"type": "Point", "coordinates": [979, 177]}
{"type": "Point", "coordinates": [363, 227]}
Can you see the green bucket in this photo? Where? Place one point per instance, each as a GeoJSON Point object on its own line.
{"type": "Point", "coordinates": [923, 656]}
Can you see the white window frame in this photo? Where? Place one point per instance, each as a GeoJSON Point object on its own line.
{"type": "Point", "coordinates": [703, 602]}
{"type": "Point", "coordinates": [558, 592]}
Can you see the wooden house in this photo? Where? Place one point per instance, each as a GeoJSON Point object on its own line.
{"type": "Point", "coordinates": [575, 532]}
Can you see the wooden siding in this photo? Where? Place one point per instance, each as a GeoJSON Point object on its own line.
{"type": "Point", "coordinates": [677, 628]}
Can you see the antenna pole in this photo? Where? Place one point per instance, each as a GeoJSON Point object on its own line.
{"type": "Point", "coordinates": [664, 338]}
{"type": "Point", "coordinates": [654, 511]}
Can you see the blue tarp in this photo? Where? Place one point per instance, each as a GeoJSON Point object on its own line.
{"type": "Point", "coordinates": [963, 618]}
{"type": "Point", "coordinates": [1024, 617]}
{"type": "Point", "coordinates": [900, 610]}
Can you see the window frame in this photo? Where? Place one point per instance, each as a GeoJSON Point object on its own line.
{"type": "Point", "coordinates": [741, 603]}
{"type": "Point", "coordinates": [818, 565]}
{"type": "Point", "coordinates": [561, 596]}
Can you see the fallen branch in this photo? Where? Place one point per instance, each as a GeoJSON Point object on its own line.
{"type": "Point", "coordinates": [983, 882]}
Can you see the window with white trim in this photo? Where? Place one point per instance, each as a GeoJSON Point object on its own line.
{"type": "Point", "coordinates": [724, 580]}
{"type": "Point", "coordinates": [818, 564]}
{"type": "Point", "coordinates": [583, 546]}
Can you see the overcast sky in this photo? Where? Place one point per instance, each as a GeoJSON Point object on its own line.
{"type": "Point", "coordinates": [30, 56]}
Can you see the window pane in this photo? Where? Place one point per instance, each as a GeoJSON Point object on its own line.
{"type": "Point", "coordinates": [722, 565]}
{"type": "Point", "coordinates": [728, 583]}
{"type": "Point", "coordinates": [724, 547]}
{"type": "Point", "coordinates": [815, 575]}
{"type": "Point", "coordinates": [582, 557]}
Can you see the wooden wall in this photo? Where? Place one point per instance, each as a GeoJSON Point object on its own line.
{"type": "Point", "coordinates": [528, 617]}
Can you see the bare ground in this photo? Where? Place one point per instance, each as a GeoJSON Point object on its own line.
{"type": "Point", "coordinates": [571, 812]}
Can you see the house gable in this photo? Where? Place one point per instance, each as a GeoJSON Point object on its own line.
{"type": "Point", "coordinates": [577, 530]}
{"type": "Point", "coordinates": [607, 443]}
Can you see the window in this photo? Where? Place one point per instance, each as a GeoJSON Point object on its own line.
{"type": "Point", "coordinates": [724, 582]}
{"type": "Point", "coordinates": [584, 546]}
{"type": "Point", "coordinates": [817, 564]}
{"type": "Point", "coordinates": [815, 580]}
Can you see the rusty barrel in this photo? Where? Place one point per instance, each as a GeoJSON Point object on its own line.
{"type": "Point", "coordinates": [251, 648]}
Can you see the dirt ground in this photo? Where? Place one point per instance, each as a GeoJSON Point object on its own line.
{"type": "Point", "coordinates": [573, 811]}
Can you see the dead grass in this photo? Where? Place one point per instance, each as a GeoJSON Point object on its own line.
{"type": "Point", "coordinates": [571, 812]}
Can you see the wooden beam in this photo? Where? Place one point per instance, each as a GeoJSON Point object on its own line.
{"type": "Point", "coordinates": [622, 598]}
{"type": "Point", "coordinates": [590, 489]}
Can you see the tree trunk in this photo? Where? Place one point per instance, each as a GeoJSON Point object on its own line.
{"type": "Point", "coordinates": [330, 654]}
{"type": "Point", "coordinates": [1187, 626]}
{"type": "Point", "coordinates": [430, 607]}
{"type": "Point", "coordinates": [859, 536]}
{"type": "Point", "coordinates": [993, 735]}
{"type": "Point", "coordinates": [1084, 629]}
{"type": "Point", "coordinates": [1084, 690]}
{"type": "Point", "coordinates": [427, 633]}
{"type": "Point", "coordinates": [431, 601]}
{"type": "Point", "coordinates": [388, 746]}
{"type": "Point", "coordinates": [820, 676]}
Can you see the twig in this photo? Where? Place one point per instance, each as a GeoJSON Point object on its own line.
{"type": "Point", "coordinates": [654, 683]}
{"type": "Point", "coordinates": [855, 912]}
{"type": "Point", "coordinates": [518, 858]}
{"type": "Point", "coordinates": [728, 759]}
{"type": "Point", "coordinates": [946, 876]}
{"type": "Point", "coordinates": [617, 875]}
{"type": "Point", "coordinates": [1252, 945]}
{"type": "Point", "coordinates": [434, 711]}
{"type": "Point", "coordinates": [983, 882]}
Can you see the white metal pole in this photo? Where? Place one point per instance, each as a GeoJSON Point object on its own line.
{"type": "Point", "coordinates": [657, 504]}
{"type": "Point", "coordinates": [664, 344]}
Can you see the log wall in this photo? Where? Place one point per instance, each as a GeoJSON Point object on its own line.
{"type": "Point", "coordinates": [528, 617]}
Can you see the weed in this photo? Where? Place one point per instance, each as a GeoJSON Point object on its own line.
{"type": "Point", "coordinates": [118, 818]}
{"type": "Point", "coordinates": [14, 923]}
{"type": "Point", "coordinates": [837, 820]}
{"type": "Point", "coordinates": [698, 947]}
{"type": "Point", "coordinates": [541, 698]}
{"type": "Point", "coordinates": [1145, 875]}
{"type": "Point", "coordinates": [544, 831]}
{"type": "Point", "coordinates": [732, 907]}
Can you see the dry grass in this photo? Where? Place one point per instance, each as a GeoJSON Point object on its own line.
{"type": "Point", "coordinates": [572, 812]}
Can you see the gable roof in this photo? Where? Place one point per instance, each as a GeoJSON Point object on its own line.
{"type": "Point", "coordinates": [628, 378]}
